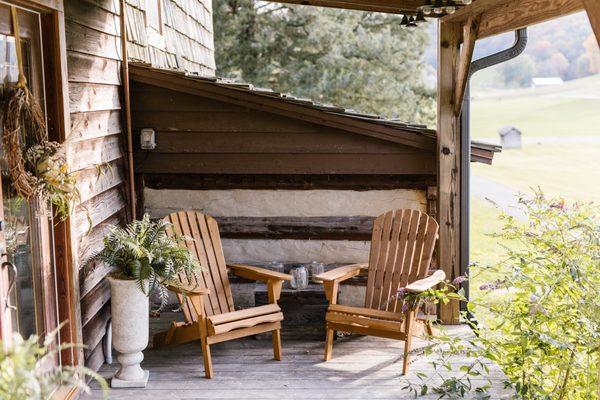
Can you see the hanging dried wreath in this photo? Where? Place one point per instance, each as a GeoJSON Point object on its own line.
{"type": "Point", "coordinates": [42, 169]}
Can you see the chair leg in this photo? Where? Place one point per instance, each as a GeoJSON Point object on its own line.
{"type": "Point", "coordinates": [276, 337]}
{"type": "Point", "coordinates": [328, 344]}
{"type": "Point", "coordinates": [410, 321]}
{"type": "Point", "coordinates": [208, 369]}
{"type": "Point", "coordinates": [429, 327]}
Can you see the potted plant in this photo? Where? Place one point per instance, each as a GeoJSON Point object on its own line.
{"type": "Point", "coordinates": [25, 371]}
{"type": "Point", "coordinates": [146, 259]}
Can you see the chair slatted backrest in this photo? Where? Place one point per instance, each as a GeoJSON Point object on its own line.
{"type": "Point", "coordinates": [206, 247]}
{"type": "Point", "coordinates": [402, 246]}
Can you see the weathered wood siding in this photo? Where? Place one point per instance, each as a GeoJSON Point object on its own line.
{"type": "Point", "coordinates": [196, 135]}
{"type": "Point", "coordinates": [96, 151]}
{"type": "Point", "coordinates": [186, 40]}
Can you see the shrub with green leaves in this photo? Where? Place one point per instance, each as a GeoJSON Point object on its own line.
{"type": "Point", "coordinates": [25, 372]}
{"type": "Point", "coordinates": [540, 321]}
{"type": "Point", "coordinates": [545, 330]}
{"type": "Point", "coordinates": [143, 251]}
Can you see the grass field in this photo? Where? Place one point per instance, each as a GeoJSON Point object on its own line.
{"type": "Point", "coordinates": [570, 170]}
{"type": "Point", "coordinates": [572, 109]}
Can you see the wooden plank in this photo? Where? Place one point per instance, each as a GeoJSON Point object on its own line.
{"type": "Point", "coordinates": [592, 7]}
{"type": "Point", "coordinates": [95, 152]}
{"type": "Point", "coordinates": [326, 141]}
{"type": "Point", "coordinates": [154, 98]}
{"type": "Point", "coordinates": [285, 164]}
{"type": "Point", "coordinates": [91, 275]}
{"type": "Point", "coordinates": [245, 323]}
{"type": "Point", "coordinates": [243, 314]}
{"type": "Point", "coordinates": [112, 6]}
{"type": "Point", "coordinates": [95, 358]}
{"type": "Point", "coordinates": [98, 209]}
{"type": "Point", "coordinates": [239, 333]}
{"type": "Point", "coordinates": [84, 68]}
{"type": "Point", "coordinates": [95, 16]}
{"type": "Point", "coordinates": [470, 31]}
{"type": "Point", "coordinates": [512, 15]}
{"type": "Point", "coordinates": [449, 161]}
{"type": "Point", "coordinates": [93, 97]}
{"type": "Point", "coordinates": [88, 41]}
{"type": "Point", "coordinates": [218, 121]}
{"type": "Point", "coordinates": [355, 182]}
{"type": "Point", "coordinates": [94, 301]}
{"type": "Point", "coordinates": [90, 244]}
{"type": "Point", "coordinates": [95, 330]}
{"type": "Point", "coordinates": [367, 312]}
{"type": "Point", "coordinates": [95, 180]}
{"type": "Point", "coordinates": [475, 8]}
{"type": "Point", "coordinates": [367, 322]}
{"type": "Point", "coordinates": [91, 125]}
{"type": "Point", "coordinates": [311, 228]}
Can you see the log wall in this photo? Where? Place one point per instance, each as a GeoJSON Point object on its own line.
{"type": "Point", "coordinates": [282, 188]}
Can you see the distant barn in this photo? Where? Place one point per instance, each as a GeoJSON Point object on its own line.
{"type": "Point", "coordinates": [510, 137]}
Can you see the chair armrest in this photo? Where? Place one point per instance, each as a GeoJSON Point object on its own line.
{"type": "Point", "coordinates": [186, 289]}
{"type": "Point", "coordinates": [343, 273]}
{"type": "Point", "coordinates": [257, 273]}
{"type": "Point", "coordinates": [427, 283]}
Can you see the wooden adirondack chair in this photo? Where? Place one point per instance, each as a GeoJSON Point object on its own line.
{"type": "Point", "coordinates": [208, 304]}
{"type": "Point", "coordinates": [402, 246]}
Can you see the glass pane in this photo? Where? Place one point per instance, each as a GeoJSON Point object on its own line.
{"type": "Point", "coordinates": [27, 294]}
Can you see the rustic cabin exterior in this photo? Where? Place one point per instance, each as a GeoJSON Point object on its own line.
{"type": "Point", "coordinates": [274, 147]}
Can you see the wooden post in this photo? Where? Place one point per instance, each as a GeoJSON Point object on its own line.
{"type": "Point", "coordinates": [593, 11]}
{"type": "Point", "coordinates": [449, 162]}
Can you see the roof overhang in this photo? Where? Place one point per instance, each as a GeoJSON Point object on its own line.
{"type": "Point", "coordinates": [266, 100]}
{"type": "Point", "coordinates": [497, 16]}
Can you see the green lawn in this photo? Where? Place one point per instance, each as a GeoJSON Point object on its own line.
{"type": "Point", "coordinates": [566, 110]}
{"type": "Point", "coordinates": [568, 171]}
{"type": "Point", "coordinates": [543, 116]}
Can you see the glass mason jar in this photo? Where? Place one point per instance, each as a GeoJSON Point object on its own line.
{"type": "Point", "coordinates": [299, 278]}
{"type": "Point", "coordinates": [316, 268]}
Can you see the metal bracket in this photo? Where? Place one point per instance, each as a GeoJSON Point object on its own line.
{"type": "Point", "coordinates": [11, 284]}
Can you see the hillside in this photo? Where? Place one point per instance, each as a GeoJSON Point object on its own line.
{"type": "Point", "coordinates": [572, 109]}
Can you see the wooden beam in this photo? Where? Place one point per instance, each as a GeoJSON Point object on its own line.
{"type": "Point", "coordinates": [449, 161]}
{"type": "Point", "coordinates": [361, 182]}
{"type": "Point", "coordinates": [387, 6]}
{"type": "Point", "coordinates": [470, 31]}
{"type": "Point", "coordinates": [357, 228]}
{"type": "Point", "coordinates": [475, 8]}
{"type": "Point", "coordinates": [511, 15]}
{"type": "Point", "coordinates": [592, 7]}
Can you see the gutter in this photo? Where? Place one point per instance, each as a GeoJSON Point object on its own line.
{"type": "Point", "coordinates": [127, 113]}
{"type": "Point", "coordinates": [465, 135]}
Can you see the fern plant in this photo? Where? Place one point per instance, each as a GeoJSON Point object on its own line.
{"type": "Point", "coordinates": [144, 252]}
{"type": "Point", "coordinates": [24, 372]}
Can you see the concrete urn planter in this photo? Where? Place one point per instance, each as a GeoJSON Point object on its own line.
{"type": "Point", "coordinates": [130, 309]}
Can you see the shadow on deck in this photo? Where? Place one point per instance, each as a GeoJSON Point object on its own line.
{"type": "Point", "coordinates": [361, 367]}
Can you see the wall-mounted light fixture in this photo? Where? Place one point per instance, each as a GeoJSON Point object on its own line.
{"type": "Point", "coordinates": [147, 139]}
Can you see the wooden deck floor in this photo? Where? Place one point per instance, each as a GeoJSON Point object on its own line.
{"type": "Point", "coordinates": [361, 368]}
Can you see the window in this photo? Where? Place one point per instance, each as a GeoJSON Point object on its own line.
{"type": "Point", "coordinates": [153, 15]}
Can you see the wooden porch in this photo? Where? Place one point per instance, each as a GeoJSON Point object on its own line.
{"type": "Point", "coordinates": [361, 367]}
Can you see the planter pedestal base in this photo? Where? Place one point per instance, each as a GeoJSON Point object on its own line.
{"type": "Point", "coordinates": [141, 383]}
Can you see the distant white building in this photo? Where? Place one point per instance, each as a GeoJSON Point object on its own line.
{"type": "Point", "coordinates": [510, 137]}
{"type": "Point", "coordinates": [550, 81]}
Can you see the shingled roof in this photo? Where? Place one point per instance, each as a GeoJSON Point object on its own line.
{"type": "Point", "coordinates": [264, 99]}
